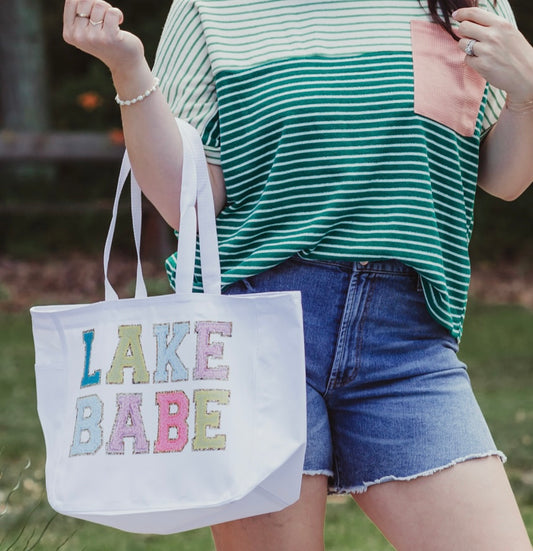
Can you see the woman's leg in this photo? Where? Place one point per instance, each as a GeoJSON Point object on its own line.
{"type": "Point", "coordinates": [298, 527]}
{"type": "Point", "coordinates": [468, 507]}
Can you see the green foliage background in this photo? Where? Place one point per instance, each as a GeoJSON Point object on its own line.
{"type": "Point", "coordinates": [502, 230]}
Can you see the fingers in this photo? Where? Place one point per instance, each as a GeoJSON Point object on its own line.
{"type": "Point", "coordinates": [472, 49]}
{"type": "Point", "coordinates": [113, 19]}
{"type": "Point", "coordinates": [93, 26]}
{"type": "Point", "coordinates": [98, 13]}
{"type": "Point", "coordinates": [69, 12]}
{"type": "Point", "coordinates": [103, 15]}
{"type": "Point", "coordinates": [71, 21]}
{"type": "Point", "coordinates": [497, 50]}
{"type": "Point", "coordinates": [82, 13]}
{"type": "Point", "coordinates": [487, 29]}
{"type": "Point", "coordinates": [83, 19]}
{"type": "Point", "coordinates": [476, 23]}
{"type": "Point", "coordinates": [476, 15]}
{"type": "Point", "coordinates": [473, 37]}
{"type": "Point", "coordinates": [467, 29]}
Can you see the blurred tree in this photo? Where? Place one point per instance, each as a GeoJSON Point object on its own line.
{"type": "Point", "coordinates": [23, 90]}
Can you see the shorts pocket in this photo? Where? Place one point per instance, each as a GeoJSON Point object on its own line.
{"type": "Point", "coordinates": [447, 90]}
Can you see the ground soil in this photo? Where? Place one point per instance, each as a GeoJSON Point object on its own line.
{"type": "Point", "coordinates": [71, 280]}
{"type": "Point", "coordinates": [79, 279]}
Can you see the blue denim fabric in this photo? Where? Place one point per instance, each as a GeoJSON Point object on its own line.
{"type": "Point", "coordinates": [387, 397]}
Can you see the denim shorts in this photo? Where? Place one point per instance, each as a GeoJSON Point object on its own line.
{"type": "Point", "coordinates": [387, 397]}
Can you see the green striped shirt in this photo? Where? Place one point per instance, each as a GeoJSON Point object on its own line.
{"type": "Point", "coordinates": [309, 108]}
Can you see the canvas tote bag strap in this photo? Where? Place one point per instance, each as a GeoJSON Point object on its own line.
{"type": "Point", "coordinates": [196, 194]}
{"type": "Point", "coordinates": [136, 215]}
{"type": "Point", "coordinates": [196, 202]}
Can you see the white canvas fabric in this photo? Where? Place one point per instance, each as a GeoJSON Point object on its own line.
{"type": "Point", "coordinates": [168, 413]}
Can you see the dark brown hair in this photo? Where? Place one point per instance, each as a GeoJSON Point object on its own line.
{"type": "Point", "coordinates": [446, 8]}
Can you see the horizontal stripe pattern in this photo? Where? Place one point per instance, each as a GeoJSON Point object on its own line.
{"type": "Point", "coordinates": [322, 153]}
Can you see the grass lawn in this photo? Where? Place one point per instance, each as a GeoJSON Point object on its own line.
{"type": "Point", "coordinates": [497, 346]}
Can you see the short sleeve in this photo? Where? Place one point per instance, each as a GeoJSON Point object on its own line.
{"type": "Point", "coordinates": [182, 64]}
{"type": "Point", "coordinates": [495, 96]}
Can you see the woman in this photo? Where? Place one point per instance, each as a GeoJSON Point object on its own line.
{"type": "Point", "coordinates": [343, 141]}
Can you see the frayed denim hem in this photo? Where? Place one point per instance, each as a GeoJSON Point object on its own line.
{"type": "Point", "coordinates": [364, 487]}
{"type": "Point", "coordinates": [324, 472]}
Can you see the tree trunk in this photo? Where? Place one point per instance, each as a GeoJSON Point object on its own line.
{"type": "Point", "coordinates": [23, 91]}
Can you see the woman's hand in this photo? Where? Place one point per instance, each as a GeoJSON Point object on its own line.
{"type": "Point", "coordinates": [502, 55]}
{"type": "Point", "coordinates": [93, 26]}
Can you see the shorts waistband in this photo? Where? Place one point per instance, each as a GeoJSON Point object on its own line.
{"type": "Point", "coordinates": [375, 266]}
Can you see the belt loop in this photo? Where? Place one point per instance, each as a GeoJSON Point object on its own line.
{"type": "Point", "coordinates": [419, 286]}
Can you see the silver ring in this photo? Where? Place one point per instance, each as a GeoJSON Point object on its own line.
{"type": "Point", "coordinates": [95, 23]}
{"type": "Point", "coordinates": [469, 50]}
{"type": "Point", "coordinates": [83, 15]}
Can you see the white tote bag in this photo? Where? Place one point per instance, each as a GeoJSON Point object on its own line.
{"type": "Point", "coordinates": [174, 412]}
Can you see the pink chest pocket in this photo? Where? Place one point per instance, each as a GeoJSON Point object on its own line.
{"type": "Point", "coordinates": [447, 90]}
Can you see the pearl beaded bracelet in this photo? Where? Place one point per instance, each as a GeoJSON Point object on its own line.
{"type": "Point", "coordinates": [128, 102]}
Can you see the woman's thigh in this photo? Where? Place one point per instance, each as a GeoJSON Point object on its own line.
{"type": "Point", "coordinates": [467, 507]}
{"type": "Point", "coordinates": [300, 526]}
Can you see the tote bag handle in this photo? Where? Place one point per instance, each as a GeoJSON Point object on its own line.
{"type": "Point", "coordinates": [136, 216]}
{"type": "Point", "coordinates": [196, 208]}
{"type": "Point", "coordinates": [196, 201]}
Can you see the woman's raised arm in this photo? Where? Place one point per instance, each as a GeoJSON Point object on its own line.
{"type": "Point", "coordinates": [151, 134]}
